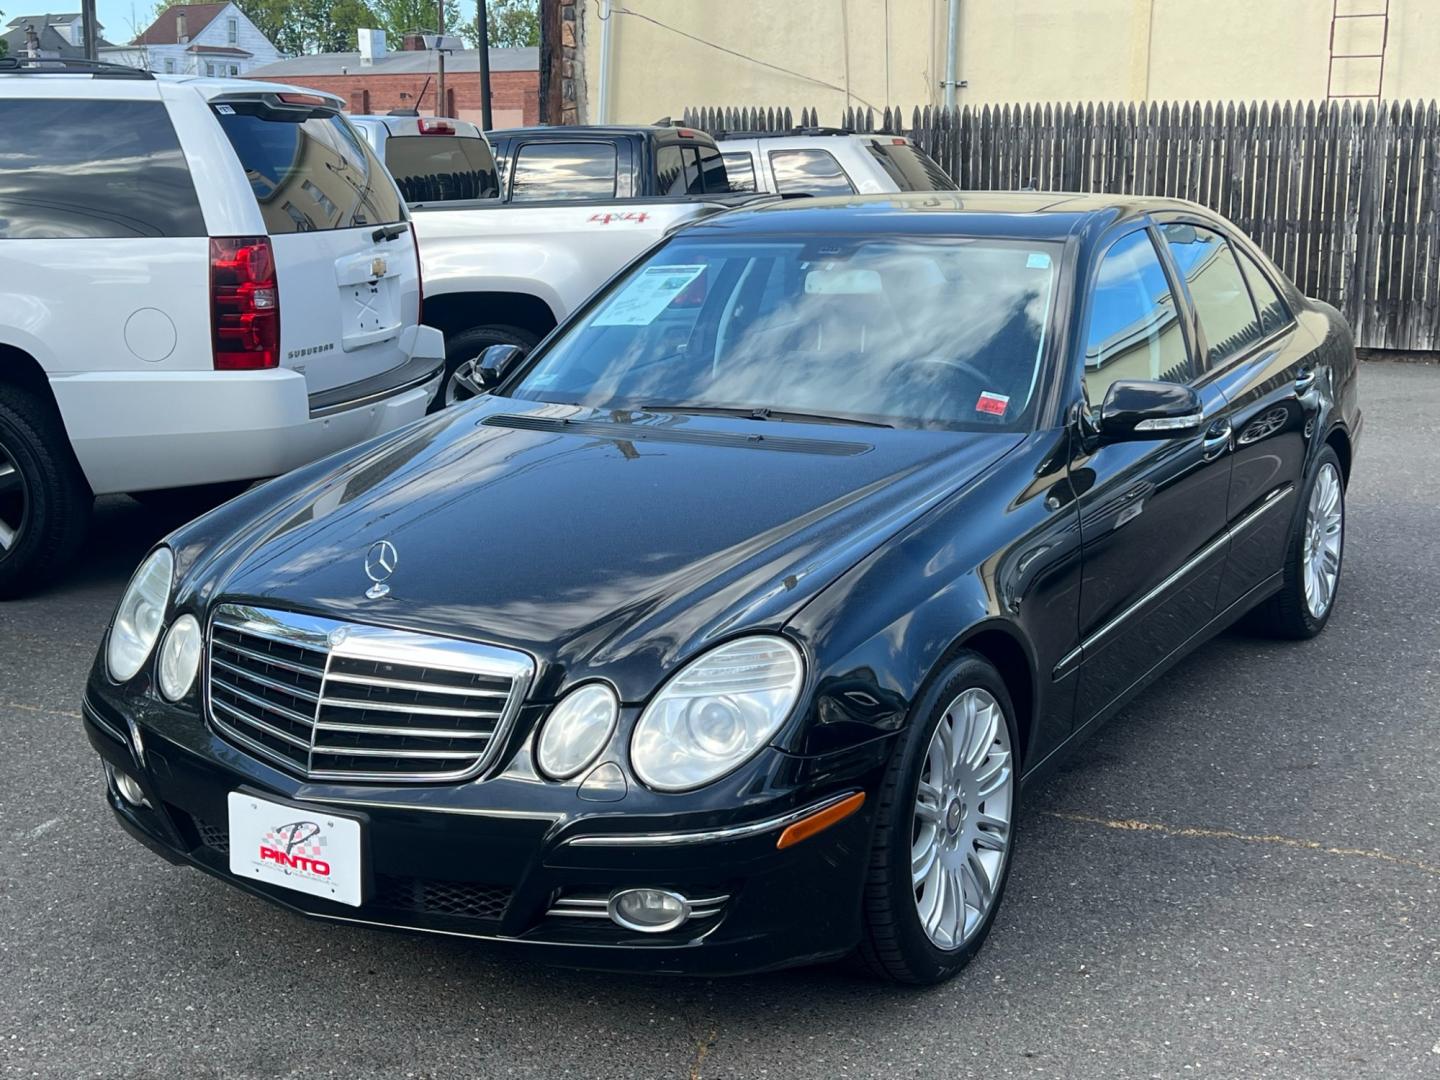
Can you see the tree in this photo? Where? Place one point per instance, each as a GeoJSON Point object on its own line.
{"type": "Point", "coordinates": [400, 17]}
{"type": "Point", "coordinates": [512, 24]}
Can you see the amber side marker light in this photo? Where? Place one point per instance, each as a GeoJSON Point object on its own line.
{"type": "Point", "coordinates": [820, 821]}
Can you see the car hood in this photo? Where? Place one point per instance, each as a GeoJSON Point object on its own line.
{"type": "Point", "coordinates": [597, 541]}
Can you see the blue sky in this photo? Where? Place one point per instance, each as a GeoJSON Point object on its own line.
{"type": "Point", "coordinates": [118, 16]}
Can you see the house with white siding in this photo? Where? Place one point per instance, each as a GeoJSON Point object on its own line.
{"type": "Point", "coordinates": [48, 36]}
{"type": "Point", "coordinates": [198, 39]}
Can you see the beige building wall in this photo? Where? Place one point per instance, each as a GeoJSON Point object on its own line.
{"type": "Point", "coordinates": [669, 54]}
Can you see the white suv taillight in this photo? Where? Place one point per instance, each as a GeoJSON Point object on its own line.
{"type": "Point", "coordinates": [244, 303]}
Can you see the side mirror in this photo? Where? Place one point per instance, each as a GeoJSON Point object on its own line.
{"type": "Point", "coordinates": [483, 374]}
{"type": "Point", "coordinates": [1136, 410]}
{"type": "Point", "coordinates": [492, 365]}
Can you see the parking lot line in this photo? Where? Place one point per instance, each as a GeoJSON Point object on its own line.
{"type": "Point", "coordinates": [1199, 833]}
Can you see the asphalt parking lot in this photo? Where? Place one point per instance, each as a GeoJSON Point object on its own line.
{"type": "Point", "coordinates": [1240, 877]}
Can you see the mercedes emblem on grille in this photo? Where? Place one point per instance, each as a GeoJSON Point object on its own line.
{"type": "Point", "coordinates": [380, 563]}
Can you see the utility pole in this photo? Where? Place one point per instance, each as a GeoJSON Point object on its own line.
{"type": "Point", "coordinates": [440, 56]}
{"type": "Point", "coordinates": [92, 34]}
{"type": "Point", "coordinates": [482, 49]}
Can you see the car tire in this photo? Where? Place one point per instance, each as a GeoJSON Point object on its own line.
{"type": "Point", "coordinates": [468, 344]}
{"type": "Point", "coordinates": [898, 941]}
{"type": "Point", "coordinates": [182, 504]}
{"type": "Point", "coordinates": [45, 502]}
{"type": "Point", "coordinates": [1294, 612]}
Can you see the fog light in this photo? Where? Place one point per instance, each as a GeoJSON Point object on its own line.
{"type": "Point", "coordinates": [650, 911]}
{"type": "Point", "coordinates": [129, 788]}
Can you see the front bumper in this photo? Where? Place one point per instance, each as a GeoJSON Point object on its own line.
{"type": "Point", "coordinates": [442, 861]}
{"type": "Point", "coordinates": [145, 430]}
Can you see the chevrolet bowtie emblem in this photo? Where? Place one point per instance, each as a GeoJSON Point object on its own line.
{"type": "Point", "coordinates": [378, 266]}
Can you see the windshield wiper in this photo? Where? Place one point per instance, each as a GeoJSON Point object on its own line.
{"type": "Point", "coordinates": [747, 412]}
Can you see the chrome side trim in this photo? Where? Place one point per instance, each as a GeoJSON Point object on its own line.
{"type": "Point", "coordinates": [1072, 659]}
{"type": "Point", "coordinates": [705, 836]}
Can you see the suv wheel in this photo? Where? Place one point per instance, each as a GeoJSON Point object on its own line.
{"type": "Point", "coordinates": [467, 345]}
{"type": "Point", "coordinates": [44, 499]}
{"type": "Point", "coordinates": [944, 831]}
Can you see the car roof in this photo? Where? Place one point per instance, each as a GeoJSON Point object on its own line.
{"type": "Point", "coordinates": [1030, 214]}
{"type": "Point", "coordinates": [590, 129]}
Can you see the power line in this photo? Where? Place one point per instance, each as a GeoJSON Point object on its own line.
{"type": "Point", "coordinates": [750, 59]}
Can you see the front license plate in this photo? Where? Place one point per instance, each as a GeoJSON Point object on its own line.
{"type": "Point", "coordinates": [308, 849]}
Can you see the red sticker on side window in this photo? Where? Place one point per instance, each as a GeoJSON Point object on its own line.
{"type": "Point", "coordinates": [994, 404]}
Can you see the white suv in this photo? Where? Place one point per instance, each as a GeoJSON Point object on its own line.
{"type": "Point", "coordinates": [827, 161]}
{"type": "Point", "coordinates": [201, 281]}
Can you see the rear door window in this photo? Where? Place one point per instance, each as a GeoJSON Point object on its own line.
{"type": "Point", "coordinates": [1273, 312]}
{"type": "Point", "coordinates": [563, 170]}
{"type": "Point", "coordinates": [740, 168]}
{"type": "Point", "coordinates": [713, 178]}
{"type": "Point", "coordinates": [1217, 288]}
{"type": "Point", "coordinates": [441, 168]}
{"type": "Point", "coordinates": [688, 169]}
{"type": "Point", "coordinates": [309, 171]}
{"type": "Point", "coordinates": [813, 171]}
{"type": "Point", "coordinates": [93, 169]}
{"type": "Point", "coordinates": [911, 169]}
{"type": "Point", "coordinates": [669, 170]}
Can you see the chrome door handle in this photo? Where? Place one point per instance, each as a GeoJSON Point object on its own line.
{"type": "Point", "coordinates": [1217, 439]}
{"type": "Point", "coordinates": [1305, 381]}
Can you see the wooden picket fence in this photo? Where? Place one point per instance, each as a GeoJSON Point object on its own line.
{"type": "Point", "coordinates": [1341, 195]}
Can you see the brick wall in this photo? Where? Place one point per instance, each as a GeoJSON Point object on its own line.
{"type": "Point", "coordinates": [514, 95]}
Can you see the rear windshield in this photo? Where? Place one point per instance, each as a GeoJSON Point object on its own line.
{"type": "Point", "coordinates": [309, 171]}
{"type": "Point", "coordinates": [556, 170]}
{"type": "Point", "coordinates": [441, 168]}
{"type": "Point", "coordinates": [910, 168]}
{"type": "Point", "coordinates": [92, 169]}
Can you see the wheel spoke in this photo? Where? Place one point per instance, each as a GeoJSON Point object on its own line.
{"type": "Point", "coordinates": [7, 536]}
{"type": "Point", "coordinates": [988, 724]}
{"type": "Point", "coordinates": [9, 477]}
{"type": "Point", "coordinates": [923, 858]}
{"type": "Point", "coordinates": [990, 774]}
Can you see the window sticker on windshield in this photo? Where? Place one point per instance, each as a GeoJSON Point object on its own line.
{"type": "Point", "coordinates": [642, 300]}
{"type": "Point", "coordinates": [1037, 260]}
{"type": "Point", "coordinates": [994, 404]}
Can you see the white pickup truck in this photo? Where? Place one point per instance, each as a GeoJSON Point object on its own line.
{"type": "Point", "coordinates": [570, 207]}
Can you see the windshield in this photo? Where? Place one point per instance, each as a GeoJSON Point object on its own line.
{"type": "Point", "coordinates": [903, 331]}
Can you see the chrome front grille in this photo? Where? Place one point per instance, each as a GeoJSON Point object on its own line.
{"type": "Point", "coordinates": [331, 700]}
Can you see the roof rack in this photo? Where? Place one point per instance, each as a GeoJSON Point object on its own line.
{"type": "Point", "coordinates": [787, 133]}
{"type": "Point", "coordinates": [69, 65]}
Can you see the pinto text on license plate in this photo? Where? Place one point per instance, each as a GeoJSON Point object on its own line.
{"type": "Point", "coordinates": [306, 849]}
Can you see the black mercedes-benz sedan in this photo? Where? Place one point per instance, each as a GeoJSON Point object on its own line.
{"type": "Point", "coordinates": [726, 629]}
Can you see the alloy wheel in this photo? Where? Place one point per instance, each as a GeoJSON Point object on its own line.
{"type": "Point", "coordinates": [14, 502]}
{"type": "Point", "coordinates": [1324, 533]}
{"type": "Point", "coordinates": [961, 831]}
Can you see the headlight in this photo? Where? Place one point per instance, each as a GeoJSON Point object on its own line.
{"type": "Point", "coordinates": [140, 615]}
{"type": "Point", "coordinates": [577, 730]}
{"type": "Point", "coordinates": [716, 713]}
{"type": "Point", "coordinates": [179, 658]}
